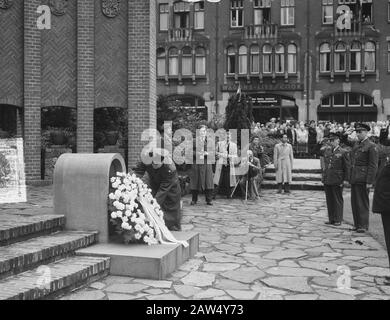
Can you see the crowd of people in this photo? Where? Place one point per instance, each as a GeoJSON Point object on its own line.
{"type": "Point", "coordinates": [307, 137]}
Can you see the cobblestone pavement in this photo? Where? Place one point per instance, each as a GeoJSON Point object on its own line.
{"type": "Point", "coordinates": [277, 248]}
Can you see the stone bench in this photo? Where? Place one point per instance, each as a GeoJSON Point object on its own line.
{"type": "Point", "coordinates": [81, 188]}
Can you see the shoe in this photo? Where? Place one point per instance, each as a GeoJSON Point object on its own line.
{"type": "Point", "coordinates": [353, 229]}
{"type": "Point", "coordinates": [329, 223]}
{"type": "Point", "coordinates": [193, 203]}
{"type": "Point", "coordinates": [209, 203]}
{"type": "Point", "coordinates": [386, 282]}
{"type": "Point", "coordinates": [360, 230]}
{"type": "Point", "coordinates": [337, 224]}
{"type": "Point", "coordinates": [174, 228]}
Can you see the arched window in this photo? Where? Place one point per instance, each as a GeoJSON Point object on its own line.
{"type": "Point", "coordinates": [186, 61]}
{"type": "Point", "coordinates": [200, 61]}
{"type": "Point", "coordinates": [339, 56]}
{"type": "Point", "coordinates": [231, 52]}
{"type": "Point", "coordinates": [173, 62]}
{"type": "Point", "coordinates": [243, 60]}
{"type": "Point", "coordinates": [267, 58]}
{"type": "Point", "coordinates": [279, 58]}
{"type": "Point", "coordinates": [325, 57]}
{"type": "Point", "coordinates": [369, 56]}
{"type": "Point", "coordinates": [292, 58]}
{"type": "Point", "coordinates": [161, 62]}
{"type": "Point", "coordinates": [356, 56]}
{"type": "Point", "coordinates": [255, 59]}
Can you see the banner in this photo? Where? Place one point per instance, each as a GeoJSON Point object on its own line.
{"type": "Point", "coordinates": [12, 175]}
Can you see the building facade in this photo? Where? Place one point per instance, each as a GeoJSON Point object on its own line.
{"type": "Point", "coordinates": [84, 55]}
{"type": "Point", "coordinates": [297, 59]}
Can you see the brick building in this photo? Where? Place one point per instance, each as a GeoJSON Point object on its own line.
{"type": "Point", "coordinates": [298, 59]}
{"type": "Point", "coordinates": [94, 54]}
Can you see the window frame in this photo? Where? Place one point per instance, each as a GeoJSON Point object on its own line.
{"type": "Point", "coordinates": [281, 58]}
{"type": "Point", "coordinates": [231, 55]}
{"type": "Point", "coordinates": [163, 13]}
{"type": "Point", "coordinates": [188, 57]}
{"type": "Point", "coordinates": [327, 4]}
{"type": "Point", "coordinates": [203, 57]}
{"type": "Point", "coordinates": [243, 60]}
{"type": "Point", "coordinates": [285, 14]}
{"type": "Point", "coordinates": [339, 105]}
{"type": "Point", "coordinates": [261, 5]}
{"type": "Point", "coordinates": [237, 6]}
{"type": "Point", "coordinates": [340, 53]}
{"type": "Point", "coordinates": [349, 104]}
{"type": "Point", "coordinates": [161, 59]}
{"type": "Point", "coordinates": [254, 55]}
{"type": "Point", "coordinates": [372, 53]}
{"type": "Point", "coordinates": [176, 57]}
{"type": "Point", "coordinates": [357, 52]}
{"type": "Point", "coordinates": [294, 55]}
{"type": "Point", "coordinates": [267, 54]}
{"type": "Point", "coordinates": [388, 56]}
{"type": "Point", "coordinates": [328, 54]}
{"type": "Point", "coordinates": [198, 10]}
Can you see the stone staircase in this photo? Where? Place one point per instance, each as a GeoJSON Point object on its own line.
{"type": "Point", "coordinates": [38, 261]}
{"type": "Point", "coordinates": [306, 176]}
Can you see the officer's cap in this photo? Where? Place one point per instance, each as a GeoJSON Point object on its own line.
{"type": "Point", "coordinates": [362, 127]}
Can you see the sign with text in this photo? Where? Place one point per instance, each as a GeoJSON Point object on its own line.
{"type": "Point", "coordinates": [264, 87]}
{"type": "Point", "coordinates": [12, 175]}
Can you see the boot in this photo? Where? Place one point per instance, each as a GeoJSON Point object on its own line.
{"type": "Point", "coordinates": [280, 189]}
{"type": "Point", "coordinates": [287, 188]}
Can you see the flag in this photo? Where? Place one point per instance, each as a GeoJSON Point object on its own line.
{"type": "Point", "coordinates": [239, 91]}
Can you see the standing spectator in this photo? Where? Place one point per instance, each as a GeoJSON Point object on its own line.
{"type": "Point", "coordinates": [291, 134]}
{"type": "Point", "coordinates": [381, 205]}
{"type": "Point", "coordinates": [302, 139]}
{"type": "Point", "coordinates": [312, 138]}
{"type": "Point", "coordinates": [250, 179]}
{"type": "Point", "coordinates": [364, 161]}
{"type": "Point", "coordinates": [259, 153]}
{"type": "Point", "coordinates": [283, 161]}
{"type": "Point", "coordinates": [327, 130]}
{"type": "Point", "coordinates": [225, 176]}
{"type": "Point", "coordinates": [201, 171]}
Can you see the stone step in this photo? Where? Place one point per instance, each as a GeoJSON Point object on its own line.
{"type": "Point", "coordinates": [22, 256]}
{"type": "Point", "coordinates": [16, 228]}
{"type": "Point", "coordinates": [55, 279]}
{"type": "Point", "coordinates": [296, 185]}
{"type": "Point", "coordinates": [296, 176]}
{"type": "Point", "coordinates": [297, 170]}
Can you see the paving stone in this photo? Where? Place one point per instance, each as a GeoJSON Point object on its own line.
{"type": "Point", "coordinates": [331, 295]}
{"type": "Point", "coordinates": [325, 267]}
{"type": "Point", "coordinates": [155, 283]}
{"type": "Point", "coordinates": [200, 279]}
{"type": "Point", "coordinates": [164, 297]}
{"type": "Point", "coordinates": [244, 275]}
{"type": "Point", "coordinates": [302, 297]}
{"type": "Point", "coordinates": [222, 258]}
{"type": "Point", "coordinates": [226, 284]}
{"type": "Point", "coordinates": [97, 285]}
{"type": "Point", "coordinates": [295, 272]}
{"type": "Point", "coordinates": [216, 267]}
{"type": "Point", "coordinates": [296, 284]}
{"type": "Point", "coordinates": [288, 263]}
{"type": "Point", "coordinates": [119, 296]}
{"type": "Point", "coordinates": [242, 294]}
{"type": "Point", "coordinates": [88, 295]}
{"type": "Point", "coordinates": [375, 271]}
{"type": "Point", "coordinates": [129, 288]}
{"type": "Point", "coordinates": [209, 293]}
{"type": "Point", "coordinates": [186, 291]}
{"type": "Point", "coordinates": [154, 291]}
{"type": "Point", "coordinates": [265, 242]}
{"type": "Point", "coordinates": [285, 254]}
{"type": "Point", "coordinates": [191, 265]}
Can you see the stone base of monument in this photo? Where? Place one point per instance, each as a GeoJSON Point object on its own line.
{"type": "Point", "coordinates": [147, 262]}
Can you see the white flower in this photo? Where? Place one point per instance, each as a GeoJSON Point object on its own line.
{"type": "Point", "coordinates": [113, 215]}
{"type": "Point", "coordinates": [137, 236]}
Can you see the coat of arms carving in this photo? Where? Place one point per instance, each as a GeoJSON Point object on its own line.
{"type": "Point", "coordinates": [111, 8]}
{"type": "Point", "coordinates": [58, 7]}
{"type": "Point", "coordinates": [5, 4]}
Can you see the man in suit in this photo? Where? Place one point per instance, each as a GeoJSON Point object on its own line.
{"type": "Point", "coordinates": [254, 170]}
{"type": "Point", "coordinates": [364, 166]}
{"type": "Point", "coordinates": [335, 171]}
{"type": "Point", "coordinates": [225, 176]}
{"type": "Point", "coordinates": [381, 205]}
{"type": "Point", "coordinates": [283, 161]}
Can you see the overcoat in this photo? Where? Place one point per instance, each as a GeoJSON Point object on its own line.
{"type": "Point", "coordinates": [336, 167]}
{"type": "Point", "coordinates": [283, 161]}
{"type": "Point", "coordinates": [222, 153]}
{"type": "Point", "coordinates": [381, 203]}
{"type": "Point", "coordinates": [165, 186]}
{"type": "Point", "coordinates": [201, 170]}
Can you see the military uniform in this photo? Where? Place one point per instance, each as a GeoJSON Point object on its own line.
{"type": "Point", "coordinates": [334, 172]}
{"type": "Point", "coordinates": [364, 166]}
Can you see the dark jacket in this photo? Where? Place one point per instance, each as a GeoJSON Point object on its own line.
{"type": "Point", "coordinates": [202, 176]}
{"type": "Point", "coordinates": [336, 167]}
{"type": "Point", "coordinates": [312, 136]}
{"type": "Point", "coordinates": [381, 203]}
{"type": "Point", "coordinates": [364, 162]}
{"type": "Point", "coordinates": [165, 186]}
{"type": "Point", "coordinates": [383, 138]}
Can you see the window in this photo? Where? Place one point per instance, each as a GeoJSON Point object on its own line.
{"type": "Point", "coordinates": [161, 65]}
{"type": "Point", "coordinates": [236, 13]}
{"type": "Point", "coordinates": [325, 102]}
{"type": "Point", "coordinates": [186, 61]}
{"type": "Point", "coordinates": [279, 58]}
{"type": "Point", "coordinates": [388, 11]}
{"type": "Point", "coordinates": [164, 16]}
{"type": "Point", "coordinates": [366, 11]}
{"type": "Point", "coordinates": [288, 12]}
{"type": "Point", "coordinates": [267, 58]}
{"type": "Point", "coordinates": [173, 62]}
{"type": "Point", "coordinates": [355, 57]}
{"type": "Point", "coordinates": [262, 12]}
{"type": "Point", "coordinates": [369, 56]}
{"type": "Point", "coordinates": [200, 61]}
{"type": "Point", "coordinates": [255, 59]}
{"type": "Point", "coordinates": [327, 11]}
{"type": "Point", "coordinates": [368, 101]}
{"type": "Point", "coordinates": [339, 100]}
{"type": "Point", "coordinates": [339, 57]}
{"type": "Point", "coordinates": [292, 58]}
{"type": "Point", "coordinates": [388, 56]}
{"type": "Point", "coordinates": [243, 60]}
{"type": "Point", "coordinates": [354, 99]}
{"type": "Point", "coordinates": [325, 57]}
{"type": "Point", "coordinates": [231, 60]}
{"type": "Point", "coordinates": [181, 14]}
{"type": "Point", "coordinates": [199, 15]}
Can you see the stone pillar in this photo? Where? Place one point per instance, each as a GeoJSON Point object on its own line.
{"type": "Point", "coordinates": [141, 73]}
{"type": "Point", "coordinates": [85, 74]}
{"type": "Point", "coordinates": [32, 91]}
{"type": "Point", "coordinates": [19, 123]}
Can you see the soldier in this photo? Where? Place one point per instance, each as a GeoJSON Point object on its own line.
{"type": "Point", "coordinates": [364, 162]}
{"type": "Point", "coordinates": [335, 171]}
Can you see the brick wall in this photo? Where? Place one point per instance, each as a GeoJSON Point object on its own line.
{"type": "Point", "coordinates": [85, 74]}
{"type": "Point", "coordinates": [141, 73]}
{"type": "Point", "coordinates": [32, 91]}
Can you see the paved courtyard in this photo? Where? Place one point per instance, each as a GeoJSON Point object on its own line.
{"type": "Point", "coordinates": [277, 248]}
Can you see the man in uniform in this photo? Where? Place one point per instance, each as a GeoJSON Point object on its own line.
{"type": "Point", "coordinates": [364, 166]}
{"type": "Point", "coordinates": [335, 171]}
